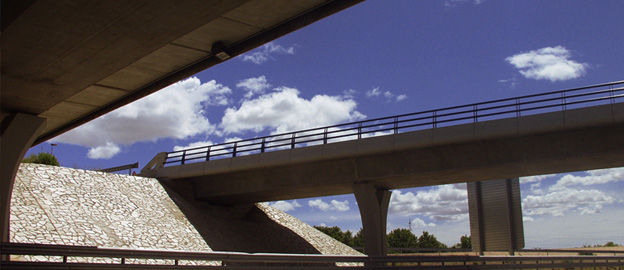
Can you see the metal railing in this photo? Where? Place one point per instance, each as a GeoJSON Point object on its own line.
{"type": "Point", "coordinates": [128, 167]}
{"type": "Point", "coordinates": [608, 93]}
{"type": "Point", "coordinates": [15, 256]}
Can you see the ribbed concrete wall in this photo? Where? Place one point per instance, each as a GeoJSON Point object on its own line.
{"type": "Point", "coordinates": [56, 205]}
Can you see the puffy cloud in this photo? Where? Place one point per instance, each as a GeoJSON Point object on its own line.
{"type": "Point", "coordinates": [104, 152]}
{"type": "Point", "coordinates": [334, 205]}
{"type": "Point", "coordinates": [283, 111]}
{"type": "Point", "coordinates": [254, 86]}
{"type": "Point", "coordinates": [173, 112]}
{"type": "Point", "coordinates": [591, 178]}
{"type": "Point", "coordinates": [559, 202]}
{"type": "Point", "coordinates": [535, 178]}
{"type": "Point", "coordinates": [549, 63]}
{"type": "Point", "coordinates": [445, 202]}
{"type": "Point", "coordinates": [419, 223]}
{"type": "Point", "coordinates": [286, 206]}
{"type": "Point", "coordinates": [389, 96]}
{"type": "Point", "coordinates": [263, 54]}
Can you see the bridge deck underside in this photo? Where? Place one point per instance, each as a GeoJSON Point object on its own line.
{"type": "Point", "coordinates": [573, 140]}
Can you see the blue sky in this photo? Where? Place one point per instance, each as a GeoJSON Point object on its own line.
{"type": "Point", "coordinates": [381, 58]}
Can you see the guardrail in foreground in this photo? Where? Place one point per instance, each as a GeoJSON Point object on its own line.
{"type": "Point", "coordinates": [76, 257]}
{"type": "Point", "coordinates": [472, 113]}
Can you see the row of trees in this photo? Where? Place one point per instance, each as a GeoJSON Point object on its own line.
{"type": "Point", "coordinates": [397, 238]}
{"type": "Point", "coordinates": [42, 158]}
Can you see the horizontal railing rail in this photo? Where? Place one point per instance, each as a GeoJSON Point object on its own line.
{"type": "Point", "coordinates": [16, 256]}
{"type": "Point", "coordinates": [608, 93]}
{"type": "Point", "coordinates": [128, 167]}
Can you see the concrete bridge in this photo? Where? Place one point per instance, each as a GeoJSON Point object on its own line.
{"type": "Point", "coordinates": [562, 131]}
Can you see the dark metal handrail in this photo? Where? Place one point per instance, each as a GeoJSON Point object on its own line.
{"type": "Point", "coordinates": [82, 257]}
{"type": "Point", "coordinates": [472, 113]}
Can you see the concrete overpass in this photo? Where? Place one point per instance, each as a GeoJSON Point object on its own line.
{"type": "Point", "coordinates": [67, 62]}
{"type": "Point", "coordinates": [562, 131]}
{"type": "Point", "coordinates": [582, 134]}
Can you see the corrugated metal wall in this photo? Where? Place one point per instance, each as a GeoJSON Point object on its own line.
{"type": "Point", "coordinates": [495, 215]}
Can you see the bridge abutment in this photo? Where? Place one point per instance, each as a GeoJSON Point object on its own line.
{"type": "Point", "coordinates": [373, 203]}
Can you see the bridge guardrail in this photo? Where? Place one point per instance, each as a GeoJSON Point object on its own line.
{"type": "Point", "coordinates": [81, 257]}
{"type": "Point", "coordinates": [601, 94]}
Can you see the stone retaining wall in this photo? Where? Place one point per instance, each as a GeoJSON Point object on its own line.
{"type": "Point", "coordinates": [56, 205]}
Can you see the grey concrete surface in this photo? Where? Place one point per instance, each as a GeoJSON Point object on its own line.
{"type": "Point", "coordinates": [572, 140]}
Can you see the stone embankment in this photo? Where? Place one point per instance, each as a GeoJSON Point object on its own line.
{"type": "Point", "coordinates": [57, 205]}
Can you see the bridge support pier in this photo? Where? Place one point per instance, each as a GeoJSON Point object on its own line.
{"type": "Point", "coordinates": [373, 203]}
{"type": "Point", "coordinates": [18, 133]}
{"type": "Point", "coordinates": [495, 213]}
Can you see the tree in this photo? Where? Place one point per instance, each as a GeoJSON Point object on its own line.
{"type": "Point", "coordinates": [402, 238]}
{"type": "Point", "coordinates": [42, 158]}
{"type": "Point", "coordinates": [336, 233]}
{"type": "Point", "coordinates": [427, 240]}
{"type": "Point", "coordinates": [358, 239]}
{"type": "Point", "coordinates": [465, 242]}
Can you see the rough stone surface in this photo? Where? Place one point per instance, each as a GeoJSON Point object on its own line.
{"type": "Point", "coordinates": [56, 205]}
{"type": "Point", "coordinates": [322, 242]}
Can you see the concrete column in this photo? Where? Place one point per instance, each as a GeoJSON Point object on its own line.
{"type": "Point", "coordinates": [373, 203]}
{"type": "Point", "coordinates": [495, 215]}
{"type": "Point", "coordinates": [18, 133]}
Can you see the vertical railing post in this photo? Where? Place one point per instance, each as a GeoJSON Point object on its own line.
{"type": "Point", "coordinates": [611, 95]}
{"type": "Point", "coordinates": [359, 130]}
{"type": "Point", "coordinates": [435, 119]}
{"type": "Point", "coordinates": [234, 149]}
{"type": "Point", "coordinates": [475, 114]}
{"type": "Point", "coordinates": [208, 153]}
{"type": "Point", "coordinates": [325, 136]}
{"type": "Point", "coordinates": [292, 141]}
{"type": "Point", "coordinates": [183, 157]}
{"type": "Point", "coordinates": [262, 145]}
{"type": "Point", "coordinates": [396, 125]}
{"type": "Point", "coordinates": [563, 101]}
{"type": "Point", "coordinates": [518, 111]}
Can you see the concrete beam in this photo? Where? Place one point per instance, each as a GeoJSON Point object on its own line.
{"type": "Point", "coordinates": [18, 134]}
{"type": "Point", "coordinates": [373, 203]}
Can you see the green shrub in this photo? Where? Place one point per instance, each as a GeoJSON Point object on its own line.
{"type": "Point", "coordinates": [42, 158]}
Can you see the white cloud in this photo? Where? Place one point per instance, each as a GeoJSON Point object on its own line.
{"type": "Point", "coordinates": [454, 3]}
{"type": "Point", "coordinates": [535, 178]}
{"type": "Point", "coordinates": [283, 111]}
{"type": "Point", "coordinates": [549, 63]}
{"type": "Point", "coordinates": [334, 205]}
{"type": "Point", "coordinates": [104, 152]}
{"type": "Point", "coordinates": [593, 177]}
{"type": "Point", "coordinates": [373, 93]}
{"type": "Point", "coordinates": [445, 202]}
{"type": "Point", "coordinates": [286, 206]}
{"type": "Point", "coordinates": [193, 145]}
{"type": "Point", "coordinates": [173, 112]}
{"type": "Point", "coordinates": [263, 54]}
{"type": "Point", "coordinates": [418, 223]}
{"type": "Point", "coordinates": [559, 202]}
{"type": "Point", "coordinates": [389, 96]}
{"type": "Point", "coordinates": [254, 86]}
{"type": "Point", "coordinates": [349, 94]}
